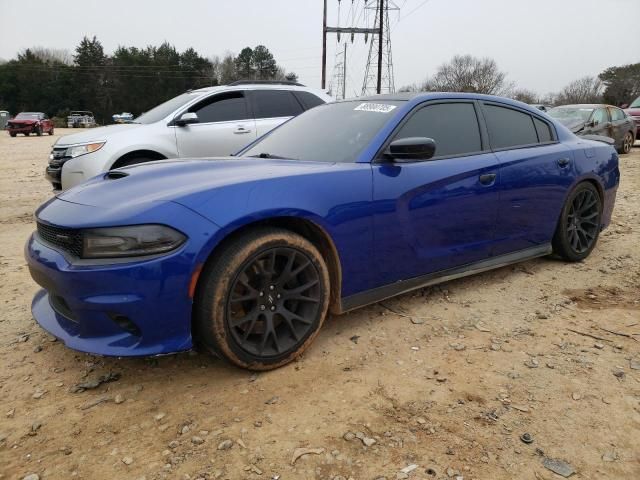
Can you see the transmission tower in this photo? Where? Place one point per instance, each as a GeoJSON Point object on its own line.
{"type": "Point", "coordinates": [378, 75]}
{"type": "Point", "coordinates": [338, 83]}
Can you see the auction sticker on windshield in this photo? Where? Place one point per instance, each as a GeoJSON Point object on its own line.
{"type": "Point", "coordinates": [375, 107]}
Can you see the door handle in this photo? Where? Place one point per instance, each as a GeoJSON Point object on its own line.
{"type": "Point", "coordinates": [563, 162]}
{"type": "Point", "coordinates": [241, 129]}
{"type": "Point", "coordinates": [487, 178]}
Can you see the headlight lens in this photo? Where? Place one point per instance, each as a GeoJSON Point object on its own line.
{"type": "Point", "coordinates": [130, 241]}
{"type": "Point", "coordinates": [77, 150]}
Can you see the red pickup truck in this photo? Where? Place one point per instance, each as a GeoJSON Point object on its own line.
{"type": "Point", "coordinates": [30, 122]}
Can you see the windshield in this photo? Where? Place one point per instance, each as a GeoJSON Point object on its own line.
{"type": "Point", "coordinates": [27, 116]}
{"type": "Point", "coordinates": [570, 114]}
{"type": "Point", "coordinates": [161, 111]}
{"type": "Point", "coordinates": [635, 103]}
{"type": "Point", "coordinates": [336, 132]}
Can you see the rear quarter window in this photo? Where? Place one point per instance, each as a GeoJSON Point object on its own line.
{"type": "Point", "coordinates": [509, 128]}
{"type": "Point", "coordinates": [544, 130]}
{"type": "Point", "coordinates": [308, 100]}
{"type": "Point", "coordinates": [275, 103]}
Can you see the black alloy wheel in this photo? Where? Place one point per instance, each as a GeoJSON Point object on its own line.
{"type": "Point", "coordinates": [273, 302]}
{"type": "Point", "coordinates": [262, 298]}
{"type": "Point", "coordinates": [579, 225]}
{"type": "Point", "coordinates": [582, 228]}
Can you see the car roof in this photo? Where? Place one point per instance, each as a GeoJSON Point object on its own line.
{"type": "Point", "coordinates": [586, 105]}
{"type": "Point", "coordinates": [252, 86]}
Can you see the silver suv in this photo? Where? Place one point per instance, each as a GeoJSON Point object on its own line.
{"type": "Point", "coordinates": [208, 122]}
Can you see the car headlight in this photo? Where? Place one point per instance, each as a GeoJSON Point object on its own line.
{"type": "Point", "coordinates": [83, 149]}
{"type": "Point", "coordinates": [130, 241]}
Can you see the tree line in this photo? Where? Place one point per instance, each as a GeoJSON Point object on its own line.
{"type": "Point", "coordinates": [465, 73]}
{"type": "Point", "coordinates": [131, 79]}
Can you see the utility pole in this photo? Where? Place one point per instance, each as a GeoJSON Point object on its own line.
{"type": "Point", "coordinates": [324, 46]}
{"type": "Point", "coordinates": [344, 73]}
{"type": "Point", "coordinates": [380, 35]}
{"type": "Point", "coordinates": [338, 30]}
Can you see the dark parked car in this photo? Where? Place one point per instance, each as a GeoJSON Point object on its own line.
{"type": "Point", "coordinates": [345, 205]}
{"type": "Point", "coordinates": [604, 120]}
{"type": "Point", "coordinates": [633, 111]}
{"type": "Point", "coordinates": [30, 122]}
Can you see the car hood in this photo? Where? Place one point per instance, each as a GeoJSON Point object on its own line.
{"type": "Point", "coordinates": [95, 134]}
{"type": "Point", "coordinates": [632, 111]}
{"type": "Point", "coordinates": [23, 121]}
{"type": "Point", "coordinates": [180, 180]}
{"type": "Point", "coordinates": [573, 124]}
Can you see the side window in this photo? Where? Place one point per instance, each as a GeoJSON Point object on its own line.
{"type": "Point", "coordinates": [222, 108]}
{"type": "Point", "coordinates": [275, 103]}
{"type": "Point", "coordinates": [508, 127]}
{"type": "Point", "coordinates": [308, 100]}
{"type": "Point", "coordinates": [600, 116]}
{"type": "Point", "coordinates": [543, 130]}
{"type": "Point", "coordinates": [453, 126]}
{"type": "Point", "coordinates": [617, 115]}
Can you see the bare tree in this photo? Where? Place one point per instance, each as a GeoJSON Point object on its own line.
{"type": "Point", "coordinates": [583, 90]}
{"type": "Point", "coordinates": [465, 73]}
{"type": "Point", "coordinates": [228, 72]}
{"type": "Point", "coordinates": [524, 95]}
{"type": "Point", "coordinates": [53, 55]}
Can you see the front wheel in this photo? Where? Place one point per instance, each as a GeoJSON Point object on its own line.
{"type": "Point", "coordinates": [263, 299]}
{"type": "Point", "coordinates": [579, 225]}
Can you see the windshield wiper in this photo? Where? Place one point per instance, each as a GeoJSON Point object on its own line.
{"type": "Point", "coordinates": [269, 155]}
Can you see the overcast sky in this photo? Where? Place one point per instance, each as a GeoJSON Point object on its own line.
{"type": "Point", "coordinates": [541, 44]}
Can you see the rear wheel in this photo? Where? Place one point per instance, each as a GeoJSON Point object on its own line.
{"type": "Point", "coordinates": [579, 225]}
{"type": "Point", "coordinates": [627, 143]}
{"type": "Point", "coordinates": [263, 300]}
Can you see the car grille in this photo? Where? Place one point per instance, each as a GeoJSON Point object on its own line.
{"type": "Point", "coordinates": [57, 157]}
{"type": "Point", "coordinates": [66, 239]}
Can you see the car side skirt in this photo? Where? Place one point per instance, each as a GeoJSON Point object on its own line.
{"type": "Point", "coordinates": [403, 286]}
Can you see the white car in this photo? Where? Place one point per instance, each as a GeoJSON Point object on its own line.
{"type": "Point", "coordinates": [208, 122]}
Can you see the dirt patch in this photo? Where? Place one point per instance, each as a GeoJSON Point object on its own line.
{"type": "Point", "coordinates": [448, 378]}
{"type": "Point", "coordinates": [605, 298]}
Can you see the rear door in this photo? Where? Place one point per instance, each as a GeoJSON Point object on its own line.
{"type": "Point", "coordinates": [437, 214]}
{"type": "Point", "coordinates": [535, 171]}
{"type": "Point", "coordinates": [619, 124]}
{"type": "Point", "coordinates": [273, 107]}
{"type": "Point", "coordinates": [225, 125]}
{"type": "Point", "coordinates": [600, 123]}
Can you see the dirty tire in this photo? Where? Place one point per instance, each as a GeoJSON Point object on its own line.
{"type": "Point", "coordinates": [51, 131]}
{"type": "Point", "coordinates": [12, 134]}
{"type": "Point", "coordinates": [39, 131]}
{"type": "Point", "coordinates": [26, 134]}
{"type": "Point", "coordinates": [262, 299]}
{"type": "Point", "coordinates": [627, 143]}
{"type": "Point", "coordinates": [578, 228]}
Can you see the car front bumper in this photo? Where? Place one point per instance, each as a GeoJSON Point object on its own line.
{"type": "Point", "coordinates": [124, 307]}
{"type": "Point", "coordinates": [24, 129]}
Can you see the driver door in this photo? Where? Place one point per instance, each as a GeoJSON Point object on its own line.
{"type": "Point", "coordinates": [601, 123]}
{"type": "Point", "coordinates": [225, 125]}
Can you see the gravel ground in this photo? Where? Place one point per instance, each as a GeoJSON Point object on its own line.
{"type": "Point", "coordinates": [440, 383]}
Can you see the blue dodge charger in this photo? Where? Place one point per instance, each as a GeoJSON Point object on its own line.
{"type": "Point", "coordinates": [345, 205]}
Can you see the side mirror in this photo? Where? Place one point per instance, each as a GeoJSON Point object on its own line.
{"type": "Point", "coordinates": [412, 148]}
{"type": "Point", "coordinates": [187, 118]}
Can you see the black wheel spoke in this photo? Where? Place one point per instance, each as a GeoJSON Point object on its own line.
{"type": "Point", "coordinates": [274, 302]}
